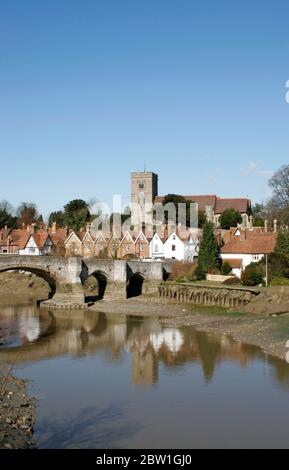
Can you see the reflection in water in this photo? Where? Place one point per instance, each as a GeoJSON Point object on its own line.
{"type": "Point", "coordinates": [148, 342]}
{"type": "Point", "coordinates": [116, 381]}
{"type": "Point", "coordinates": [104, 427]}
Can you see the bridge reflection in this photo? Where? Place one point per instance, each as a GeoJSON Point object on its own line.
{"type": "Point", "coordinates": [28, 334]}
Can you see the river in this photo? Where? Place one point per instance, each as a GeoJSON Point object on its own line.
{"type": "Point", "coordinates": [112, 381]}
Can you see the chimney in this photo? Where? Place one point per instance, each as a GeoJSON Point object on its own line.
{"type": "Point", "coordinates": [54, 228]}
{"type": "Point", "coordinates": [243, 234]}
{"type": "Point", "coordinates": [33, 228]}
{"type": "Point", "coordinates": [275, 222]}
{"type": "Point", "coordinates": [266, 226]}
{"type": "Point", "coordinates": [251, 222]}
{"type": "Point", "coordinates": [88, 227]}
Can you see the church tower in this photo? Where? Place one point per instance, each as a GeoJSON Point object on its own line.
{"type": "Point", "coordinates": [144, 189]}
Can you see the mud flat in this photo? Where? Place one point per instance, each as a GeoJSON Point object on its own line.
{"type": "Point", "coordinates": [17, 412]}
{"type": "Point", "coordinates": [268, 332]}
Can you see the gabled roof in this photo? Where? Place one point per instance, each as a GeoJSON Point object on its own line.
{"type": "Point", "coordinates": [73, 234]}
{"type": "Point", "coordinates": [88, 235]}
{"type": "Point", "coordinates": [100, 236]}
{"type": "Point", "coordinates": [127, 236]}
{"type": "Point", "coordinates": [141, 235]}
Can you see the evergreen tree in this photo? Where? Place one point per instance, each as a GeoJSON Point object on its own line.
{"type": "Point", "coordinates": [230, 218]}
{"type": "Point", "coordinates": [282, 246]}
{"type": "Point", "coordinates": [209, 253]}
{"type": "Point", "coordinates": [57, 217]}
{"type": "Point", "coordinates": [76, 214]}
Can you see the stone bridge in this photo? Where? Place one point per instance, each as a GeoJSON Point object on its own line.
{"type": "Point", "coordinates": [117, 279]}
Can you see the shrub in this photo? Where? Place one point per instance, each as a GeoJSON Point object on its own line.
{"type": "Point", "coordinates": [226, 268]}
{"type": "Point", "coordinates": [252, 275]}
{"type": "Point", "coordinates": [280, 281]}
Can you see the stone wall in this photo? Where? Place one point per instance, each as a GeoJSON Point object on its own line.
{"type": "Point", "coordinates": [214, 296]}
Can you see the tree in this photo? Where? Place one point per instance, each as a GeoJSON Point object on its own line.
{"type": "Point", "coordinates": [27, 214]}
{"type": "Point", "coordinates": [252, 275]}
{"type": "Point", "coordinates": [258, 213]}
{"type": "Point", "coordinates": [230, 218]}
{"type": "Point", "coordinates": [202, 219]}
{"type": "Point", "coordinates": [176, 199]}
{"type": "Point", "coordinates": [76, 214]}
{"type": "Point", "coordinates": [208, 260]}
{"type": "Point", "coordinates": [282, 246]}
{"type": "Point", "coordinates": [280, 186]}
{"type": "Point", "coordinates": [6, 215]}
{"type": "Point", "coordinates": [58, 217]}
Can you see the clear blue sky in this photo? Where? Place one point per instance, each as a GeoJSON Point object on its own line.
{"type": "Point", "coordinates": [91, 89]}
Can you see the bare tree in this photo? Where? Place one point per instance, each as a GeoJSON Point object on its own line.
{"type": "Point", "coordinates": [280, 185]}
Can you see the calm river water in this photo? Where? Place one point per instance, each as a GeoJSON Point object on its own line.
{"type": "Point", "coordinates": [110, 381]}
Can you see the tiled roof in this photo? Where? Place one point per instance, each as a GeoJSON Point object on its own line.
{"type": "Point", "coordinates": [241, 205]}
{"type": "Point", "coordinates": [217, 203]}
{"type": "Point", "coordinates": [254, 243]}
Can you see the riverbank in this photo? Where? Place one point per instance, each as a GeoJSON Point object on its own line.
{"type": "Point", "coordinates": [17, 412]}
{"type": "Point", "coordinates": [270, 333]}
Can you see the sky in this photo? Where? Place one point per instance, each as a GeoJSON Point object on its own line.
{"type": "Point", "coordinates": [93, 89]}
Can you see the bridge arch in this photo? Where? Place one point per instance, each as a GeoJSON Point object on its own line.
{"type": "Point", "coordinates": [42, 273]}
{"type": "Point", "coordinates": [96, 285]}
{"type": "Point", "coordinates": [135, 285]}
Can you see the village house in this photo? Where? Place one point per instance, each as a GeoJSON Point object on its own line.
{"type": "Point", "coordinates": [244, 247]}
{"type": "Point", "coordinates": [126, 247]}
{"type": "Point", "coordinates": [174, 248]}
{"type": "Point", "coordinates": [142, 246]}
{"type": "Point", "coordinates": [73, 244]}
{"type": "Point", "coordinates": [156, 247]}
{"type": "Point", "coordinates": [29, 241]}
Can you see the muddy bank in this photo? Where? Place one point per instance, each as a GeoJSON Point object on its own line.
{"type": "Point", "coordinates": [17, 412]}
{"type": "Point", "coordinates": [267, 332]}
{"type": "Point", "coordinates": [26, 284]}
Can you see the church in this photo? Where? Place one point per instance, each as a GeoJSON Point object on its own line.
{"type": "Point", "coordinates": [144, 190]}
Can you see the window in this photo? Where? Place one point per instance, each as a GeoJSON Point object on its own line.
{"type": "Point", "coordinates": [141, 247]}
{"type": "Point", "coordinates": [173, 247]}
{"type": "Point", "coordinates": [156, 248]}
{"type": "Point", "coordinates": [141, 185]}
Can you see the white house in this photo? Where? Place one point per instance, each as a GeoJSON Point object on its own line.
{"type": "Point", "coordinates": [156, 247]}
{"type": "Point", "coordinates": [174, 248]}
{"type": "Point", "coordinates": [246, 247]}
